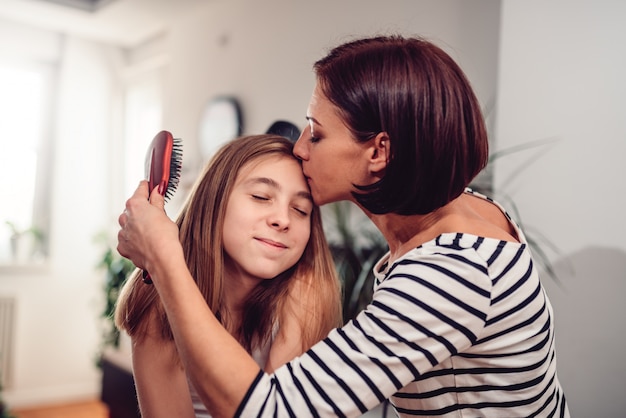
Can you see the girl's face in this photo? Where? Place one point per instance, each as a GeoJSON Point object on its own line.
{"type": "Point", "coordinates": [268, 218]}
{"type": "Point", "coordinates": [332, 160]}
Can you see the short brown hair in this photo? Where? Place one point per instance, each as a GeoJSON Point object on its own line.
{"type": "Point", "coordinates": [416, 93]}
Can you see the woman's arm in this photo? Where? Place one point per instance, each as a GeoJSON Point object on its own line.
{"type": "Point", "coordinates": [351, 371]}
{"type": "Point", "coordinates": [160, 380]}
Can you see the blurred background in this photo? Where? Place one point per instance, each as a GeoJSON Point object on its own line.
{"type": "Point", "coordinates": [85, 86]}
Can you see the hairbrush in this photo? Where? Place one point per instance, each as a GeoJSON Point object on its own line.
{"type": "Point", "coordinates": [163, 167]}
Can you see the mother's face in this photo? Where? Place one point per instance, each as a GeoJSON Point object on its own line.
{"type": "Point", "coordinates": [332, 160]}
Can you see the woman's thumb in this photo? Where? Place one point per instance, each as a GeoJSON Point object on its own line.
{"type": "Point", "coordinates": [157, 195]}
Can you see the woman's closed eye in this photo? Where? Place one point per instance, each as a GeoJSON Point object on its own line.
{"type": "Point", "coordinates": [313, 138]}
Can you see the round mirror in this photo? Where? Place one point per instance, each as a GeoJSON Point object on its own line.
{"type": "Point", "coordinates": [220, 122]}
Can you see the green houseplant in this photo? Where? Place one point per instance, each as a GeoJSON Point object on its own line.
{"type": "Point", "coordinates": [356, 246]}
{"type": "Point", "coordinates": [541, 246]}
{"type": "Point", "coordinates": [117, 269]}
{"type": "Point", "coordinates": [27, 244]}
{"type": "Point", "coordinates": [118, 388]}
{"type": "Point", "coordinates": [4, 410]}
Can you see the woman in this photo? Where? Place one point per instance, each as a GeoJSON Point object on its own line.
{"type": "Point", "coordinates": [254, 241]}
{"type": "Point", "coordinates": [459, 324]}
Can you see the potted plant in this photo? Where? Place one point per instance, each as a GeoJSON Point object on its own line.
{"type": "Point", "coordinates": [26, 243]}
{"type": "Point", "coordinates": [540, 245]}
{"type": "Point", "coordinates": [118, 389]}
{"type": "Point", "coordinates": [4, 410]}
{"type": "Point", "coordinates": [356, 245]}
{"type": "Point", "coordinates": [116, 270]}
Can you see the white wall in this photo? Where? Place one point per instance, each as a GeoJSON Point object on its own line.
{"type": "Point", "coordinates": [561, 75]}
{"type": "Point", "coordinates": [262, 53]}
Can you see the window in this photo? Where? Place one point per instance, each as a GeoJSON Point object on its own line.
{"type": "Point", "coordinates": [25, 135]}
{"type": "Point", "coordinates": [143, 122]}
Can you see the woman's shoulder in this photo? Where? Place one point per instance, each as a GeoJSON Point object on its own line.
{"type": "Point", "coordinates": [494, 215]}
{"type": "Point", "coordinates": [456, 255]}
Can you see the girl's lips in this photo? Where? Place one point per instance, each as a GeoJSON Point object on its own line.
{"type": "Point", "coordinates": [272, 243]}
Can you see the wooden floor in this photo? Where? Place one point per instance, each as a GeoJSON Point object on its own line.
{"type": "Point", "coordinates": [87, 409]}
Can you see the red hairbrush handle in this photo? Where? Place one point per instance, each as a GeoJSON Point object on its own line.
{"type": "Point", "coordinates": [163, 165]}
{"type": "Point", "coordinates": [158, 161]}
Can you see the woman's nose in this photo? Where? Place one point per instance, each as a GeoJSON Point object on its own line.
{"type": "Point", "coordinates": [300, 148]}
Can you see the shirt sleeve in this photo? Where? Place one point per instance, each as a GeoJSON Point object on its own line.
{"type": "Point", "coordinates": [427, 309]}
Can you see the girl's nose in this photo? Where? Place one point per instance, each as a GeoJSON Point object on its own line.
{"type": "Point", "coordinates": [279, 219]}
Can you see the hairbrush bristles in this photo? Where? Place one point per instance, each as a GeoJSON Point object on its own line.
{"type": "Point", "coordinates": [176, 165]}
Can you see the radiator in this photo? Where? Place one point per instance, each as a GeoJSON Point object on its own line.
{"type": "Point", "coordinates": [7, 327]}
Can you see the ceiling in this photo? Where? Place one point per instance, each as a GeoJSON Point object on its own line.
{"type": "Point", "coordinates": [126, 23]}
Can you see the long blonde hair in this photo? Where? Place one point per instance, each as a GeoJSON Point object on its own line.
{"type": "Point", "coordinates": [312, 283]}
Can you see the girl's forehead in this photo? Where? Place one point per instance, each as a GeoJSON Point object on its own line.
{"type": "Point", "coordinates": [261, 161]}
{"type": "Point", "coordinates": [267, 164]}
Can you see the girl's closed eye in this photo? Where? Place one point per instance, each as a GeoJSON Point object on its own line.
{"type": "Point", "coordinates": [260, 197]}
{"type": "Point", "coordinates": [302, 206]}
{"type": "Point", "coordinates": [301, 211]}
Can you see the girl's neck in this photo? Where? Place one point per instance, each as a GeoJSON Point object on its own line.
{"type": "Point", "coordinates": [237, 288]}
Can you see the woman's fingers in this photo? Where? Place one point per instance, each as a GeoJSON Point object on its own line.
{"type": "Point", "coordinates": [129, 225]}
{"type": "Point", "coordinates": [145, 227]}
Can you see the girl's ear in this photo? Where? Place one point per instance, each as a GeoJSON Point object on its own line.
{"type": "Point", "coordinates": [380, 154]}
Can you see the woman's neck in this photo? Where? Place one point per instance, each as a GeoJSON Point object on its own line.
{"type": "Point", "coordinates": [465, 214]}
{"type": "Point", "coordinates": [404, 232]}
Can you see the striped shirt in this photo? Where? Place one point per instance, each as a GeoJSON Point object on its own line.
{"type": "Point", "coordinates": [458, 327]}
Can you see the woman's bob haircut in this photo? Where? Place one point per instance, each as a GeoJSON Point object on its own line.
{"type": "Point", "coordinates": [415, 93]}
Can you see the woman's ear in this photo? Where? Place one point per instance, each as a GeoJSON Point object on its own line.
{"type": "Point", "coordinates": [380, 154]}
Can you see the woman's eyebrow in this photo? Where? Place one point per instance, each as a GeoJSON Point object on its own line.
{"type": "Point", "coordinates": [312, 119]}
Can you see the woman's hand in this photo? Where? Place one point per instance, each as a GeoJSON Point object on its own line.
{"type": "Point", "coordinates": [146, 234]}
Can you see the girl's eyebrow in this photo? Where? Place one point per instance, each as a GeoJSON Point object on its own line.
{"type": "Point", "coordinates": [275, 185]}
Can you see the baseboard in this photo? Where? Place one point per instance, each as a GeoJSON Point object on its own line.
{"type": "Point", "coordinates": [51, 395]}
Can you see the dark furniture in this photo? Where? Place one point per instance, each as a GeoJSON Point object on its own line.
{"type": "Point", "coordinates": [118, 387]}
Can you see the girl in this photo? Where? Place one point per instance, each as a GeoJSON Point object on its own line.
{"type": "Point", "coordinates": [253, 239]}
